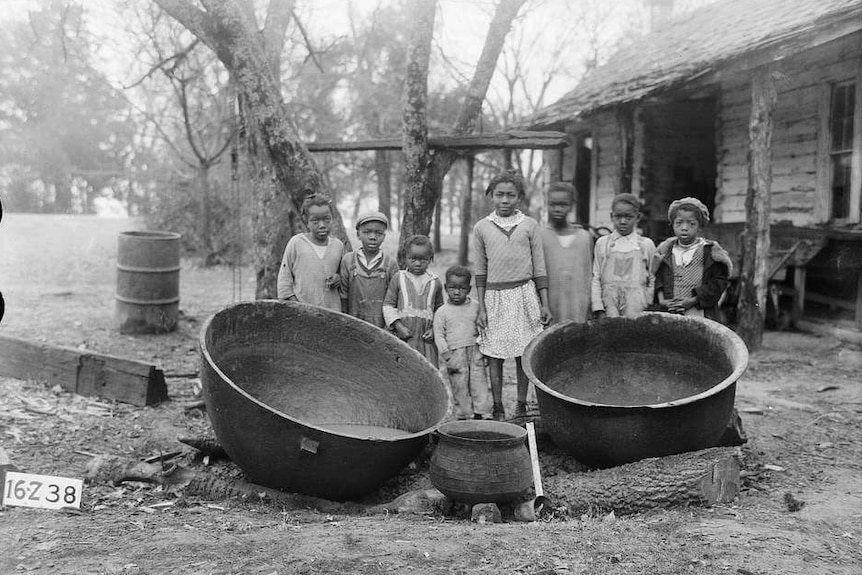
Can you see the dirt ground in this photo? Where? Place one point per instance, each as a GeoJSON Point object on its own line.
{"type": "Point", "coordinates": [800, 401]}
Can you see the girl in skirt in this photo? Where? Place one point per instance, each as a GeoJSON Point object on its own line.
{"type": "Point", "coordinates": [511, 285]}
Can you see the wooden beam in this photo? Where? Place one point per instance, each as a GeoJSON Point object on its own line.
{"type": "Point", "coordinates": [83, 372]}
{"type": "Point", "coordinates": [514, 140]}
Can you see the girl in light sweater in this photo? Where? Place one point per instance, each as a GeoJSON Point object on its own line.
{"type": "Point", "coordinates": [511, 285]}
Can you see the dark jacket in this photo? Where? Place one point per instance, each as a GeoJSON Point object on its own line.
{"type": "Point", "coordinates": [717, 268]}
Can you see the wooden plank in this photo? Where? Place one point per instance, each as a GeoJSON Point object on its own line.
{"type": "Point", "coordinates": [83, 372]}
{"type": "Point", "coordinates": [507, 140]}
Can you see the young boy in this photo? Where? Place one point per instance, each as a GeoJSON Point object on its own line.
{"type": "Point", "coordinates": [366, 273]}
{"type": "Point", "coordinates": [568, 258]}
{"type": "Point", "coordinates": [455, 334]}
{"type": "Point", "coordinates": [309, 267]}
{"type": "Point", "coordinates": [622, 282]}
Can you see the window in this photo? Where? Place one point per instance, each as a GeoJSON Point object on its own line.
{"type": "Point", "coordinates": [841, 147]}
{"type": "Point", "coordinates": [844, 177]}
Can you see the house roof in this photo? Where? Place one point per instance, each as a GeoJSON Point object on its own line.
{"type": "Point", "coordinates": [697, 44]}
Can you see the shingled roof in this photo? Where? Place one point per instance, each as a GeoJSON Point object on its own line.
{"type": "Point", "coordinates": [696, 44]}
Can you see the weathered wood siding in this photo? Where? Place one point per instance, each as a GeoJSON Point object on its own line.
{"type": "Point", "coordinates": [803, 90]}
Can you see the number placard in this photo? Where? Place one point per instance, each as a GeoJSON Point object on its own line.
{"type": "Point", "coordinates": [44, 491]}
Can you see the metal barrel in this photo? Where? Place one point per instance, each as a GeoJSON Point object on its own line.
{"type": "Point", "coordinates": [148, 282]}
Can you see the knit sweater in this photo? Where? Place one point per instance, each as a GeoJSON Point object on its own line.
{"type": "Point", "coordinates": [455, 326]}
{"type": "Point", "coordinates": [504, 260]}
{"type": "Point", "coordinates": [303, 273]}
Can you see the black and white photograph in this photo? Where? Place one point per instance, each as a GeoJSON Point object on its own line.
{"type": "Point", "coordinates": [529, 287]}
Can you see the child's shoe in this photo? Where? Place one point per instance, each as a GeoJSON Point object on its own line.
{"type": "Point", "coordinates": [521, 409]}
{"type": "Point", "coordinates": [498, 413]}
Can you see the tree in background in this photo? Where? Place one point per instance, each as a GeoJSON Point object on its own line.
{"type": "Point", "coordinates": [190, 104]}
{"type": "Point", "coordinates": [64, 131]}
{"type": "Point", "coordinates": [424, 173]}
{"type": "Point", "coordinates": [281, 165]}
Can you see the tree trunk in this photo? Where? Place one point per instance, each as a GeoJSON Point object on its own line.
{"type": "Point", "coordinates": [438, 217]}
{"type": "Point", "coordinates": [423, 190]}
{"type": "Point", "coordinates": [701, 477]}
{"type": "Point", "coordinates": [754, 282]}
{"type": "Point", "coordinates": [466, 214]}
{"type": "Point", "coordinates": [206, 213]}
{"type": "Point", "coordinates": [418, 206]}
{"type": "Point", "coordinates": [384, 182]}
{"type": "Point", "coordinates": [62, 195]}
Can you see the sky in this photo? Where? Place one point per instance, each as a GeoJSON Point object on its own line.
{"type": "Point", "coordinates": [460, 28]}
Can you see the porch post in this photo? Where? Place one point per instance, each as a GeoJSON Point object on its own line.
{"type": "Point", "coordinates": [626, 126]}
{"type": "Point", "coordinates": [754, 282]}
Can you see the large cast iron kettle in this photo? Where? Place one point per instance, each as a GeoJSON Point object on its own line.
{"type": "Point", "coordinates": [618, 390]}
{"type": "Point", "coordinates": [314, 401]}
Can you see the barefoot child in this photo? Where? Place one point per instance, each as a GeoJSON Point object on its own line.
{"type": "Point", "coordinates": [568, 258]}
{"type": "Point", "coordinates": [511, 285]}
{"type": "Point", "coordinates": [309, 267]}
{"type": "Point", "coordinates": [691, 272]}
{"type": "Point", "coordinates": [413, 296]}
{"type": "Point", "coordinates": [622, 283]}
{"type": "Point", "coordinates": [366, 273]}
{"type": "Point", "coordinates": [455, 335]}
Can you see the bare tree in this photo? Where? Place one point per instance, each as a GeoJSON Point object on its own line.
{"type": "Point", "coordinates": [424, 173]}
{"type": "Point", "coordinates": [251, 54]}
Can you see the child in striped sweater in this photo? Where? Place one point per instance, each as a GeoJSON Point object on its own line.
{"type": "Point", "coordinates": [511, 285]}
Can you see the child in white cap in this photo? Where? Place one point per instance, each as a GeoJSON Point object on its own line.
{"type": "Point", "coordinates": [366, 272]}
{"type": "Point", "coordinates": [691, 272]}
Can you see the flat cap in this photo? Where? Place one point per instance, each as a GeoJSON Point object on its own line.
{"type": "Point", "coordinates": [372, 217]}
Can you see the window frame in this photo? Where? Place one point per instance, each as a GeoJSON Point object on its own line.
{"type": "Point", "coordinates": [826, 171]}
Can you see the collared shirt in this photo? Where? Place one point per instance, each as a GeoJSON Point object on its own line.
{"type": "Point", "coordinates": [682, 255]}
{"type": "Point", "coordinates": [363, 258]}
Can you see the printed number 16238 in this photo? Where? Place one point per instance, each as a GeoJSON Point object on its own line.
{"type": "Point", "coordinates": [45, 491]}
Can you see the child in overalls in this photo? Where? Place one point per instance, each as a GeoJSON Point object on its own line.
{"type": "Point", "coordinates": [622, 280]}
{"type": "Point", "coordinates": [366, 272]}
{"type": "Point", "coordinates": [691, 272]}
{"type": "Point", "coordinates": [413, 296]}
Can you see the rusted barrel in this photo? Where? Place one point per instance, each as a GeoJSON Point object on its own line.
{"type": "Point", "coordinates": [481, 461]}
{"type": "Point", "coordinates": [148, 282]}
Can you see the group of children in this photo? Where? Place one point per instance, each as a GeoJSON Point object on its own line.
{"type": "Point", "coordinates": [526, 277]}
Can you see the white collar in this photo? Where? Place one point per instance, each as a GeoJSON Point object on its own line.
{"type": "Point", "coordinates": [508, 222]}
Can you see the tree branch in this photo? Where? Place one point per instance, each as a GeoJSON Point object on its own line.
{"type": "Point", "coordinates": [197, 21]}
{"type": "Point", "coordinates": [506, 12]}
{"type": "Point", "coordinates": [311, 51]}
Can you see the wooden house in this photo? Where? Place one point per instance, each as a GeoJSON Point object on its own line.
{"type": "Point", "coordinates": [670, 115]}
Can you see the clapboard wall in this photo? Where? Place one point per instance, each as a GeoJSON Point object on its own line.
{"type": "Point", "coordinates": [803, 88]}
